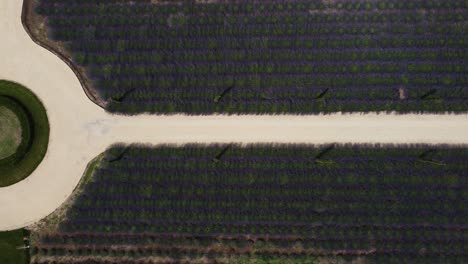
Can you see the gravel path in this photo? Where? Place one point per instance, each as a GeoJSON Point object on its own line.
{"type": "Point", "coordinates": [81, 130]}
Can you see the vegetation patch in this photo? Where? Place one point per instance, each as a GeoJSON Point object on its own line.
{"type": "Point", "coordinates": [51, 222]}
{"type": "Point", "coordinates": [265, 204]}
{"type": "Point", "coordinates": [34, 124]}
{"type": "Point", "coordinates": [10, 132]}
{"type": "Point", "coordinates": [14, 247]}
{"type": "Point", "coordinates": [271, 56]}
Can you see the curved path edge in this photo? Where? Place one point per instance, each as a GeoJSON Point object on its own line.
{"type": "Point", "coordinates": [80, 130]}
{"type": "Point", "coordinates": [26, 14]}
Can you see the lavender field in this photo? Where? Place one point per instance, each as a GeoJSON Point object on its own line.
{"type": "Point", "coordinates": [267, 204]}
{"type": "Point", "coordinates": [274, 56]}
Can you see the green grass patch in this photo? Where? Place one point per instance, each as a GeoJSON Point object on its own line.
{"type": "Point", "coordinates": [15, 108]}
{"type": "Point", "coordinates": [10, 132]}
{"type": "Point", "coordinates": [34, 136]}
{"type": "Point", "coordinates": [91, 168]}
{"type": "Point", "coordinates": [10, 247]}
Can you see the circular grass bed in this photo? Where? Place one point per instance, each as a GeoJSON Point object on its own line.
{"type": "Point", "coordinates": [34, 124]}
{"type": "Point", "coordinates": [10, 130]}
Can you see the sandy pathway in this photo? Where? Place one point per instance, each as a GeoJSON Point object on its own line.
{"type": "Point", "coordinates": [80, 130]}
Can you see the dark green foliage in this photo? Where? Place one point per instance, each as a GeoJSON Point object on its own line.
{"type": "Point", "coordinates": [120, 98]}
{"type": "Point", "coordinates": [322, 94]}
{"type": "Point", "coordinates": [224, 93]}
{"type": "Point", "coordinates": [425, 157]}
{"type": "Point", "coordinates": [221, 153]}
{"type": "Point", "coordinates": [428, 94]}
{"type": "Point", "coordinates": [319, 159]}
{"type": "Point", "coordinates": [117, 156]}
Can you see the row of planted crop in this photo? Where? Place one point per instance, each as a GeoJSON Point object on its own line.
{"type": "Point", "coordinates": [325, 243]}
{"type": "Point", "coordinates": [145, 238]}
{"type": "Point", "coordinates": [255, 80]}
{"type": "Point", "coordinates": [234, 157]}
{"type": "Point", "coordinates": [281, 67]}
{"type": "Point", "coordinates": [267, 228]}
{"type": "Point", "coordinates": [326, 200]}
{"type": "Point", "coordinates": [383, 214]}
{"type": "Point", "coordinates": [193, 36]}
{"type": "Point", "coordinates": [345, 57]}
{"type": "Point", "coordinates": [220, 229]}
{"type": "Point", "coordinates": [286, 179]}
{"type": "Point", "coordinates": [117, 196]}
{"type": "Point", "coordinates": [284, 97]}
{"type": "Point", "coordinates": [334, 97]}
{"type": "Point", "coordinates": [176, 254]}
{"type": "Point", "coordinates": [133, 107]}
{"type": "Point", "coordinates": [152, 195]}
{"type": "Point", "coordinates": [291, 215]}
{"type": "Point", "coordinates": [307, 166]}
{"type": "Point", "coordinates": [310, 29]}
{"type": "Point", "coordinates": [454, 247]}
{"type": "Point", "coordinates": [266, 96]}
{"type": "Point", "coordinates": [288, 151]}
{"type": "Point", "coordinates": [102, 7]}
{"type": "Point", "coordinates": [156, 20]}
{"type": "Point", "coordinates": [274, 43]}
{"type": "Point", "coordinates": [285, 156]}
{"type": "Point", "coordinates": [449, 200]}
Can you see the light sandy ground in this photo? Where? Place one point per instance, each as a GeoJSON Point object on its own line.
{"type": "Point", "coordinates": [80, 130]}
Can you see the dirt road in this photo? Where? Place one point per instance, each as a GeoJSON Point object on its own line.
{"type": "Point", "coordinates": [80, 130]}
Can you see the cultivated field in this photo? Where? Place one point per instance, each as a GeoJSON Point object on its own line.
{"type": "Point", "coordinates": [289, 203]}
{"type": "Point", "coordinates": [256, 57]}
{"type": "Point", "coordinates": [402, 202]}
{"type": "Point", "coordinates": [79, 130]}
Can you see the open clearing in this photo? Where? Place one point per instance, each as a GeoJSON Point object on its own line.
{"type": "Point", "coordinates": [80, 130]}
{"type": "Point", "coordinates": [10, 132]}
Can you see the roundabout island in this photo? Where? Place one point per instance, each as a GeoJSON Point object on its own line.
{"type": "Point", "coordinates": [24, 132]}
